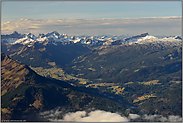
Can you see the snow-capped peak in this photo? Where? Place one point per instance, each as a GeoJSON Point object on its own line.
{"type": "Point", "coordinates": [54, 33]}
{"type": "Point", "coordinates": [31, 36]}
{"type": "Point", "coordinates": [148, 37]}
{"type": "Point", "coordinates": [178, 37]}
{"type": "Point", "coordinates": [55, 38]}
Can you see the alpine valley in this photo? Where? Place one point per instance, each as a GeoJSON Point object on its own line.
{"type": "Point", "coordinates": [139, 74]}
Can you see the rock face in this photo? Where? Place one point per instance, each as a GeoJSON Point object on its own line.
{"type": "Point", "coordinates": [136, 36]}
{"type": "Point", "coordinates": [140, 35]}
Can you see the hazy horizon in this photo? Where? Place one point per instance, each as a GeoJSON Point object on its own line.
{"type": "Point", "coordinates": [108, 26]}
{"type": "Point", "coordinates": [160, 18]}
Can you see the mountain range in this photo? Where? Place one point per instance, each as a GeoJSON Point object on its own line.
{"type": "Point", "coordinates": [141, 72]}
{"type": "Point", "coordinates": [56, 38]}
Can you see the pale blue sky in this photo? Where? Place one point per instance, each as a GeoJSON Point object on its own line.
{"type": "Point", "coordinates": [15, 10]}
{"type": "Point", "coordinates": [86, 17]}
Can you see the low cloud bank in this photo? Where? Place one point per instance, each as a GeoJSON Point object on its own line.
{"type": "Point", "coordinates": [103, 116]}
{"type": "Point", "coordinates": [113, 26]}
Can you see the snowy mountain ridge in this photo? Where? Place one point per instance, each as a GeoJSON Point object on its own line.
{"type": "Point", "coordinates": [55, 38]}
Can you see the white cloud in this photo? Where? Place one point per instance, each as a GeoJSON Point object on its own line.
{"type": "Point", "coordinates": [112, 26]}
{"type": "Point", "coordinates": [103, 116]}
{"type": "Point", "coordinates": [173, 118]}
{"type": "Point", "coordinates": [77, 116]}
{"type": "Point", "coordinates": [83, 116]}
{"type": "Point", "coordinates": [93, 116]}
{"type": "Point", "coordinates": [133, 116]}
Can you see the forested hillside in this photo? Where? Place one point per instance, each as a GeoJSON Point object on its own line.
{"type": "Point", "coordinates": [24, 93]}
{"type": "Point", "coordinates": [140, 72]}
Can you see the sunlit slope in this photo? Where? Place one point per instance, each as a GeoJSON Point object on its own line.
{"type": "Point", "coordinates": [24, 93]}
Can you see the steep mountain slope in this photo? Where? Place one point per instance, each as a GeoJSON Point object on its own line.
{"type": "Point", "coordinates": [144, 70]}
{"type": "Point", "coordinates": [24, 93]}
{"type": "Point", "coordinates": [53, 48]}
{"type": "Point", "coordinates": [143, 74]}
{"type": "Point", "coordinates": [40, 55]}
{"type": "Point", "coordinates": [123, 63]}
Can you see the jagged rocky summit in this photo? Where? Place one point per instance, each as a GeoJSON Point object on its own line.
{"type": "Point", "coordinates": [55, 38]}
